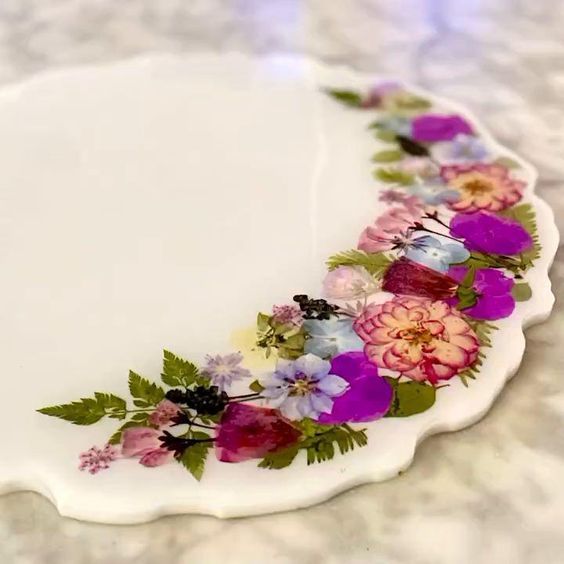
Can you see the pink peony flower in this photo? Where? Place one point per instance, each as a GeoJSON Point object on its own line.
{"type": "Point", "coordinates": [349, 282]}
{"type": "Point", "coordinates": [391, 229]}
{"type": "Point", "coordinates": [96, 459]}
{"type": "Point", "coordinates": [420, 338]}
{"type": "Point", "coordinates": [164, 413]}
{"type": "Point", "coordinates": [482, 187]}
{"type": "Point", "coordinates": [144, 443]}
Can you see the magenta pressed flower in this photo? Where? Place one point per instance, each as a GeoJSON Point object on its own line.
{"type": "Point", "coordinates": [368, 396]}
{"type": "Point", "coordinates": [434, 127]}
{"type": "Point", "coordinates": [494, 293]}
{"type": "Point", "coordinates": [96, 459]}
{"type": "Point", "coordinates": [490, 233]}
{"type": "Point", "coordinates": [247, 431]}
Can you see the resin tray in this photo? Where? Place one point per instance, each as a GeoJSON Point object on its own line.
{"type": "Point", "coordinates": [235, 286]}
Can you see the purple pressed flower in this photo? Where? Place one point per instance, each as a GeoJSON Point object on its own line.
{"type": "Point", "coordinates": [368, 396]}
{"type": "Point", "coordinates": [435, 127]}
{"type": "Point", "coordinates": [490, 233]}
{"type": "Point", "coordinates": [494, 293]}
{"type": "Point", "coordinates": [224, 369]}
{"type": "Point", "coordinates": [288, 315]}
{"type": "Point", "coordinates": [96, 459]}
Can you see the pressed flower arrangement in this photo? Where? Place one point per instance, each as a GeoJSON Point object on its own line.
{"type": "Point", "coordinates": [402, 315]}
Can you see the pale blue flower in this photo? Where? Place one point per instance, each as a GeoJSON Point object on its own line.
{"type": "Point", "coordinates": [463, 148]}
{"type": "Point", "coordinates": [434, 193]}
{"type": "Point", "coordinates": [435, 254]}
{"type": "Point", "coordinates": [399, 125]}
{"type": "Point", "coordinates": [327, 338]}
{"type": "Point", "coordinates": [303, 387]}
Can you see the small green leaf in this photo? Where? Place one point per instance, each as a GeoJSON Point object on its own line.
{"type": "Point", "coordinates": [467, 297]}
{"type": "Point", "coordinates": [386, 135]}
{"type": "Point", "coordinates": [410, 398]}
{"type": "Point", "coordinates": [178, 372]}
{"type": "Point", "coordinates": [149, 393]}
{"type": "Point", "coordinates": [87, 411]}
{"type": "Point", "coordinates": [140, 417]}
{"type": "Point", "coordinates": [507, 162]}
{"type": "Point", "coordinates": [263, 322]}
{"type": "Point", "coordinates": [194, 457]}
{"type": "Point", "coordinates": [347, 97]}
{"type": "Point", "coordinates": [411, 102]}
{"type": "Point", "coordinates": [279, 459]}
{"type": "Point", "coordinates": [292, 347]}
{"type": "Point", "coordinates": [521, 292]}
{"type": "Point", "coordinates": [256, 387]}
{"type": "Point", "coordinates": [387, 156]}
{"type": "Point", "coordinates": [375, 263]}
{"type": "Point", "coordinates": [321, 440]}
{"type": "Point", "coordinates": [394, 176]}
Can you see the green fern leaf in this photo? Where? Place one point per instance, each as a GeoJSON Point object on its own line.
{"type": "Point", "coordinates": [375, 263]}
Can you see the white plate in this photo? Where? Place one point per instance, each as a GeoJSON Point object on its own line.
{"type": "Point", "coordinates": [162, 203]}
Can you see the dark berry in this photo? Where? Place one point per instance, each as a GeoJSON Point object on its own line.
{"type": "Point", "coordinates": [206, 401]}
{"type": "Point", "coordinates": [176, 396]}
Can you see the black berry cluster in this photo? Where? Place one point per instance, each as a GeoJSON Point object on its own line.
{"type": "Point", "coordinates": [204, 401]}
{"type": "Point", "coordinates": [315, 308]}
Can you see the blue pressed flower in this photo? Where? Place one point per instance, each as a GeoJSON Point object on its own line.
{"type": "Point", "coordinates": [462, 148]}
{"type": "Point", "coordinates": [303, 387]}
{"type": "Point", "coordinates": [398, 125]}
{"type": "Point", "coordinates": [327, 338]}
{"type": "Point", "coordinates": [434, 193]}
{"type": "Point", "coordinates": [436, 254]}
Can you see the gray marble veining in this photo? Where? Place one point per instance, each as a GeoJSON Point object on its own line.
{"type": "Point", "coordinates": [491, 493]}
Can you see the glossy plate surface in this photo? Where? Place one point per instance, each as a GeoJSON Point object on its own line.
{"type": "Point", "coordinates": [161, 203]}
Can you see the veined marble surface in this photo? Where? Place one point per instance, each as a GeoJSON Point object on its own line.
{"type": "Point", "coordinates": [491, 493]}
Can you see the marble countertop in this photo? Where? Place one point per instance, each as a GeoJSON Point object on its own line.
{"type": "Point", "coordinates": [490, 493]}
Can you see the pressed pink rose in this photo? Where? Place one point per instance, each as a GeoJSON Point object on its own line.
{"type": "Point", "coordinates": [247, 431]}
{"type": "Point", "coordinates": [144, 443]}
{"type": "Point", "coordinates": [482, 187]}
{"type": "Point", "coordinates": [348, 282]}
{"type": "Point", "coordinates": [392, 228]}
{"type": "Point", "coordinates": [420, 338]}
{"type": "Point", "coordinates": [164, 413]}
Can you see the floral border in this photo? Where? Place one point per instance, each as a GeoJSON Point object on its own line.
{"type": "Point", "coordinates": [401, 315]}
